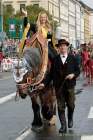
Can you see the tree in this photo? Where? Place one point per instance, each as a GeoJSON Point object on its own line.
{"type": "Point", "coordinates": [7, 13]}
{"type": "Point", "coordinates": [33, 11]}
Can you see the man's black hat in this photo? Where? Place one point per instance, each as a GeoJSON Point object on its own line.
{"type": "Point", "coordinates": [62, 41]}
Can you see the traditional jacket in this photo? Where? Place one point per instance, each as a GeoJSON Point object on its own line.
{"type": "Point", "coordinates": [33, 29]}
{"type": "Point", "coordinates": [59, 71]}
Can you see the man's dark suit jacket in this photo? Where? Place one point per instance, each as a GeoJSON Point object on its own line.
{"type": "Point", "coordinates": [59, 71]}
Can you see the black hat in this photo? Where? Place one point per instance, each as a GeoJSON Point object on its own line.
{"type": "Point", "coordinates": [62, 41]}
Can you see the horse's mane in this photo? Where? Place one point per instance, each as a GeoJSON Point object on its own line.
{"type": "Point", "coordinates": [33, 58]}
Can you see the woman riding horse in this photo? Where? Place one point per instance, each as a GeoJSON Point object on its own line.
{"type": "Point", "coordinates": [47, 104]}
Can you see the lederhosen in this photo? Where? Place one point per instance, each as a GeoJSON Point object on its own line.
{"type": "Point", "coordinates": [64, 88]}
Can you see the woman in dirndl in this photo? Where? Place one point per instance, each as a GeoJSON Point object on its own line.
{"type": "Point", "coordinates": [47, 96]}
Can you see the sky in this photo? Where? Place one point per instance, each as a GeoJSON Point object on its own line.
{"type": "Point", "coordinates": [89, 3]}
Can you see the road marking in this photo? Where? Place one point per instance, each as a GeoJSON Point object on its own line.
{"type": "Point", "coordinates": [87, 137]}
{"type": "Point", "coordinates": [24, 135]}
{"type": "Point", "coordinates": [7, 98]}
{"type": "Point", "coordinates": [90, 115]}
{"type": "Point", "coordinates": [5, 78]}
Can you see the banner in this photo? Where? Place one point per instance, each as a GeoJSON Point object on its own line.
{"type": "Point", "coordinates": [12, 28]}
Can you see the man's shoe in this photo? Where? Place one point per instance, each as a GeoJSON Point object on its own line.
{"type": "Point", "coordinates": [70, 118]}
{"type": "Point", "coordinates": [63, 129]}
{"type": "Point", "coordinates": [70, 123]}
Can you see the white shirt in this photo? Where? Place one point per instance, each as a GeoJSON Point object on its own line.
{"type": "Point", "coordinates": [63, 58]}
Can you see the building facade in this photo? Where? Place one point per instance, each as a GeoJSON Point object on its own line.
{"type": "Point", "coordinates": [78, 24]}
{"type": "Point", "coordinates": [51, 5]}
{"type": "Point", "coordinates": [86, 26]}
{"type": "Point", "coordinates": [91, 27]}
{"type": "Point", "coordinates": [82, 40]}
{"type": "Point", "coordinates": [87, 13]}
{"type": "Point", "coordinates": [72, 22]}
{"type": "Point", "coordinates": [72, 16]}
{"type": "Point", "coordinates": [64, 18]}
{"type": "Point", "coordinates": [17, 4]}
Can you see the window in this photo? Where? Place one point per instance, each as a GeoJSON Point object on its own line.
{"type": "Point", "coordinates": [8, 6]}
{"type": "Point", "coordinates": [22, 6]}
{"type": "Point", "coordinates": [37, 5]}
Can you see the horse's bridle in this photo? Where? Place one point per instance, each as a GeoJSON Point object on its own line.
{"type": "Point", "coordinates": [31, 88]}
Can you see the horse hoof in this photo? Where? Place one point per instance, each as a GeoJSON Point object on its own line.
{"type": "Point", "coordinates": [53, 120]}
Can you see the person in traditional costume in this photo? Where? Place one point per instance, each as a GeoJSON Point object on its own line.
{"type": "Point", "coordinates": [63, 72]}
{"type": "Point", "coordinates": [47, 104]}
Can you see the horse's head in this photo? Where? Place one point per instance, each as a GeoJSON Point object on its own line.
{"type": "Point", "coordinates": [26, 70]}
{"type": "Point", "coordinates": [20, 73]}
{"type": "Point", "coordinates": [29, 71]}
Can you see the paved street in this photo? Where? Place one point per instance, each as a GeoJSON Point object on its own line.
{"type": "Point", "coordinates": [16, 116]}
{"type": "Point", "coordinates": [7, 84]}
{"type": "Point", "coordinates": [37, 36]}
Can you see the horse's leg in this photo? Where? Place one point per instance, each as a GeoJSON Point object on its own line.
{"type": "Point", "coordinates": [45, 106]}
{"type": "Point", "coordinates": [37, 121]}
{"type": "Point", "coordinates": [53, 105]}
{"type": "Point", "coordinates": [48, 106]}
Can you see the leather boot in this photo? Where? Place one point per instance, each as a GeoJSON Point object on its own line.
{"type": "Point", "coordinates": [63, 128]}
{"type": "Point", "coordinates": [70, 119]}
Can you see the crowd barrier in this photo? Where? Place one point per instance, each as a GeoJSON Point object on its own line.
{"type": "Point", "coordinates": [7, 64]}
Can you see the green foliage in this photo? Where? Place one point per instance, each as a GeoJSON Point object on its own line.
{"type": "Point", "coordinates": [7, 13]}
{"type": "Point", "coordinates": [32, 10]}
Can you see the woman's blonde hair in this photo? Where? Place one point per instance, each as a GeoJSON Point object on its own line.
{"type": "Point", "coordinates": [48, 26]}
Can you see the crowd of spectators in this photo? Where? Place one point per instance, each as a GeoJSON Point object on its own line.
{"type": "Point", "coordinates": [8, 52]}
{"type": "Point", "coordinates": [9, 47]}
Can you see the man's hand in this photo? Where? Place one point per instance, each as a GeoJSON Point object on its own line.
{"type": "Point", "coordinates": [70, 76]}
{"type": "Point", "coordinates": [24, 12]}
{"type": "Point", "coordinates": [40, 86]}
